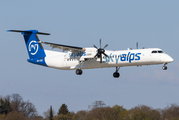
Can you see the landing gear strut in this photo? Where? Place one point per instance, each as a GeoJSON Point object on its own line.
{"type": "Point", "coordinates": [164, 67]}
{"type": "Point", "coordinates": [79, 71]}
{"type": "Point", "coordinates": [116, 74]}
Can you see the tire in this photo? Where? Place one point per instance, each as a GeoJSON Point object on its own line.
{"type": "Point", "coordinates": [79, 71]}
{"type": "Point", "coordinates": [164, 67]}
{"type": "Point", "coordinates": [116, 74]}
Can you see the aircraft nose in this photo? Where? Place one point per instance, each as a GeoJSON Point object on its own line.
{"type": "Point", "coordinates": [170, 59]}
{"type": "Point", "coordinates": [167, 59]}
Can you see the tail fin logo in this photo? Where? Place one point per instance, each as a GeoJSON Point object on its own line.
{"type": "Point", "coordinates": [33, 47]}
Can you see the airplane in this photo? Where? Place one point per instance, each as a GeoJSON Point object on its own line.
{"type": "Point", "coordinates": [78, 58]}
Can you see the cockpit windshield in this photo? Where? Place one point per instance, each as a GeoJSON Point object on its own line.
{"type": "Point", "coordinates": [157, 51]}
{"type": "Point", "coordinates": [154, 51]}
{"type": "Point", "coordinates": [160, 51]}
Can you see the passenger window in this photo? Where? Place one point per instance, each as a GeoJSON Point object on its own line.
{"type": "Point", "coordinates": [154, 51]}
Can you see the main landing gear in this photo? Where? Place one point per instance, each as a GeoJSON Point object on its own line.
{"type": "Point", "coordinates": [116, 74]}
{"type": "Point", "coordinates": [79, 71]}
{"type": "Point", "coordinates": [164, 67]}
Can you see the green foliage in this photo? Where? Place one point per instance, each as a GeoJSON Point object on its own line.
{"type": "Point", "coordinates": [51, 114]}
{"type": "Point", "coordinates": [64, 117]}
{"type": "Point", "coordinates": [97, 111]}
{"type": "Point", "coordinates": [63, 113]}
{"type": "Point", "coordinates": [15, 116]}
{"type": "Point", "coordinates": [63, 110]}
{"type": "Point", "coordinates": [144, 113]}
{"type": "Point", "coordinates": [5, 106]}
{"type": "Point", "coordinates": [13, 107]}
{"type": "Point", "coordinates": [122, 112]}
{"type": "Point", "coordinates": [119, 108]}
{"type": "Point", "coordinates": [2, 116]}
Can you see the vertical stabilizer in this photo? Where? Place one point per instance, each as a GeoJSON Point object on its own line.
{"type": "Point", "coordinates": [34, 48]}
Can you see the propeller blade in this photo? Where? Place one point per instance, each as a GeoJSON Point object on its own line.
{"type": "Point", "coordinates": [101, 58]}
{"type": "Point", "coordinates": [105, 54]}
{"type": "Point", "coordinates": [95, 46]}
{"type": "Point", "coordinates": [100, 42]}
{"type": "Point", "coordinates": [96, 55]}
{"type": "Point", "coordinates": [105, 46]}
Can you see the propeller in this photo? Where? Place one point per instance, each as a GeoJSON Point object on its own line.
{"type": "Point", "coordinates": [100, 51]}
{"type": "Point", "coordinates": [137, 45]}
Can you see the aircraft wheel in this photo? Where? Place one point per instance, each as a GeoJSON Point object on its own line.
{"type": "Point", "coordinates": [116, 74]}
{"type": "Point", "coordinates": [164, 67]}
{"type": "Point", "coordinates": [79, 71]}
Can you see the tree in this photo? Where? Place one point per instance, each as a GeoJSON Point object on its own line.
{"type": "Point", "coordinates": [63, 113]}
{"type": "Point", "coordinates": [47, 113]}
{"type": "Point", "coordinates": [64, 117]}
{"type": "Point", "coordinates": [17, 104]}
{"type": "Point", "coordinates": [38, 118]}
{"type": "Point", "coordinates": [63, 110]}
{"type": "Point", "coordinates": [51, 114]}
{"type": "Point", "coordinates": [16, 101]}
{"type": "Point", "coordinates": [2, 116]}
{"type": "Point", "coordinates": [97, 104]}
{"type": "Point", "coordinates": [75, 116]}
{"type": "Point", "coordinates": [28, 109]}
{"type": "Point", "coordinates": [171, 112]}
{"type": "Point", "coordinates": [122, 112]}
{"type": "Point", "coordinates": [143, 112]}
{"type": "Point", "coordinates": [15, 116]}
{"type": "Point", "coordinates": [81, 115]}
{"type": "Point", "coordinates": [5, 106]}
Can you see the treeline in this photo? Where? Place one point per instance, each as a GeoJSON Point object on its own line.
{"type": "Point", "coordinates": [12, 107]}
{"type": "Point", "coordinates": [99, 111]}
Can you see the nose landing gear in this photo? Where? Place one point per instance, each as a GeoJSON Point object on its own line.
{"type": "Point", "coordinates": [164, 67]}
{"type": "Point", "coordinates": [116, 74]}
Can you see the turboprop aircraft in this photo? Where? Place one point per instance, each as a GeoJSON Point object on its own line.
{"type": "Point", "coordinates": [78, 58]}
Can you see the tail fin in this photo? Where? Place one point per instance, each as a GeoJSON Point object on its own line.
{"type": "Point", "coordinates": [34, 47]}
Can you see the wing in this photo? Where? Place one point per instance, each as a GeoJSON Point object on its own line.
{"type": "Point", "coordinates": [65, 47]}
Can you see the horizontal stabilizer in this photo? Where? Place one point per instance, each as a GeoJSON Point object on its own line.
{"type": "Point", "coordinates": [34, 48]}
{"type": "Point", "coordinates": [29, 31]}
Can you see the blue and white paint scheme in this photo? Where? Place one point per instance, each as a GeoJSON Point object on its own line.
{"type": "Point", "coordinates": [78, 58]}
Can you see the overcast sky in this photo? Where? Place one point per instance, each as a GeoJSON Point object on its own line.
{"type": "Point", "coordinates": [81, 23]}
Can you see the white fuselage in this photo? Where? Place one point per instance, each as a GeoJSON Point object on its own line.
{"type": "Point", "coordinates": [136, 57]}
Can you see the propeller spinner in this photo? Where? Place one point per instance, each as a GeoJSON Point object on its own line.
{"type": "Point", "coordinates": [100, 51]}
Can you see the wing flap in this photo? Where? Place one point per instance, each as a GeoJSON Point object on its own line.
{"type": "Point", "coordinates": [65, 47]}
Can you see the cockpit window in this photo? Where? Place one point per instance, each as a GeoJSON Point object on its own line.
{"type": "Point", "coordinates": [160, 51]}
{"type": "Point", "coordinates": [154, 51]}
